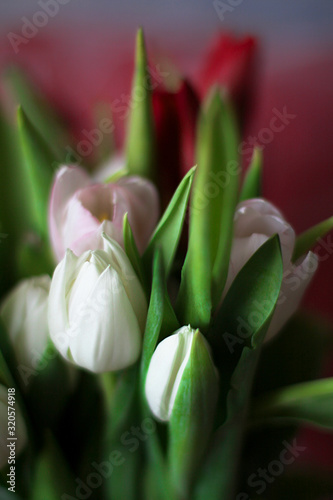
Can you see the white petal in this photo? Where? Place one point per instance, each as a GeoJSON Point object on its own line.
{"type": "Point", "coordinates": [13, 309]}
{"type": "Point", "coordinates": [242, 250]}
{"type": "Point", "coordinates": [36, 331]}
{"type": "Point", "coordinates": [24, 313]}
{"type": "Point", "coordinates": [259, 205]}
{"type": "Point", "coordinates": [260, 217]}
{"type": "Point", "coordinates": [133, 288]}
{"type": "Point", "coordinates": [296, 280]}
{"type": "Point", "coordinates": [81, 290]}
{"type": "Point", "coordinates": [166, 370]}
{"type": "Point", "coordinates": [57, 310]}
{"type": "Point", "coordinates": [117, 257]}
{"type": "Point", "coordinates": [108, 336]}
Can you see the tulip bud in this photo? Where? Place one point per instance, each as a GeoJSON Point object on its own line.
{"type": "Point", "coordinates": [80, 211]}
{"type": "Point", "coordinates": [256, 220]}
{"type": "Point", "coordinates": [24, 314]}
{"type": "Point", "coordinates": [167, 367]}
{"type": "Point", "coordinates": [165, 372]}
{"type": "Point", "coordinates": [97, 309]}
{"type": "Point", "coordinates": [10, 448]}
{"type": "Point", "coordinates": [182, 388]}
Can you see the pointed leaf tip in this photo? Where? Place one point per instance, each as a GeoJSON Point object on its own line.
{"type": "Point", "coordinates": [140, 140]}
{"type": "Point", "coordinates": [252, 182]}
{"type": "Point", "coordinates": [309, 238]}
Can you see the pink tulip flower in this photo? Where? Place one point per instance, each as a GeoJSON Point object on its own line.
{"type": "Point", "coordinates": [256, 220]}
{"type": "Point", "coordinates": [80, 210]}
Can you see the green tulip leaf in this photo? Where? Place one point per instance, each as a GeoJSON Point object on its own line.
{"type": "Point", "coordinates": [253, 294]}
{"type": "Point", "coordinates": [39, 162]}
{"type": "Point", "coordinates": [309, 238]}
{"type": "Point", "coordinates": [140, 147]}
{"type": "Point", "coordinates": [41, 115]}
{"type": "Point", "coordinates": [310, 402]}
{"type": "Point", "coordinates": [212, 207]}
{"type": "Point", "coordinates": [251, 187]}
{"type": "Point", "coordinates": [221, 223]}
{"type": "Point", "coordinates": [53, 478]}
{"type": "Point", "coordinates": [192, 417]}
{"type": "Point", "coordinates": [251, 297]}
{"type": "Point", "coordinates": [167, 234]}
{"type": "Point", "coordinates": [154, 317]}
{"type": "Point", "coordinates": [119, 174]}
{"type": "Point", "coordinates": [132, 250]}
{"type": "Point", "coordinates": [14, 198]}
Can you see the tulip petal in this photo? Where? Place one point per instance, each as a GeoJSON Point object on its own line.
{"type": "Point", "coordinates": [57, 310]}
{"type": "Point", "coordinates": [108, 335]}
{"type": "Point", "coordinates": [67, 181]}
{"type": "Point", "coordinates": [79, 227]}
{"type": "Point", "coordinates": [259, 216]}
{"type": "Point", "coordinates": [34, 342]}
{"type": "Point", "coordinates": [242, 250]}
{"type": "Point", "coordinates": [259, 205]}
{"type": "Point", "coordinates": [296, 280]}
{"type": "Point", "coordinates": [81, 289]}
{"type": "Point", "coordinates": [129, 279]}
{"type": "Point", "coordinates": [24, 313]}
{"type": "Point", "coordinates": [169, 362]}
{"type": "Point", "coordinates": [142, 206]}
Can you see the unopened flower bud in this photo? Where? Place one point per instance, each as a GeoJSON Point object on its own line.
{"type": "Point", "coordinates": [24, 314]}
{"type": "Point", "coordinates": [167, 366]}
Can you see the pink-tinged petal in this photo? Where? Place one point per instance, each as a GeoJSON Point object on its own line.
{"type": "Point", "coordinates": [242, 250]}
{"type": "Point", "coordinates": [94, 240]}
{"type": "Point", "coordinates": [120, 205]}
{"type": "Point", "coordinates": [98, 199]}
{"type": "Point", "coordinates": [79, 225]}
{"type": "Point", "coordinates": [259, 216]}
{"type": "Point", "coordinates": [142, 206]}
{"type": "Point", "coordinates": [260, 205]}
{"type": "Point", "coordinates": [295, 281]}
{"type": "Point", "coordinates": [67, 181]}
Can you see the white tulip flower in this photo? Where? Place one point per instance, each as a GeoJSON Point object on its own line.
{"type": "Point", "coordinates": [167, 367]}
{"type": "Point", "coordinates": [97, 309]}
{"type": "Point", "coordinates": [256, 220]}
{"type": "Point", "coordinates": [24, 314]}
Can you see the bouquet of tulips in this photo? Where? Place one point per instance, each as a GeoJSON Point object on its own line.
{"type": "Point", "coordinates": [148, 356]}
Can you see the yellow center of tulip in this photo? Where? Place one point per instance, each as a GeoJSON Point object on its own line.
{"type": "Point", "coordinates": [103, 216]}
